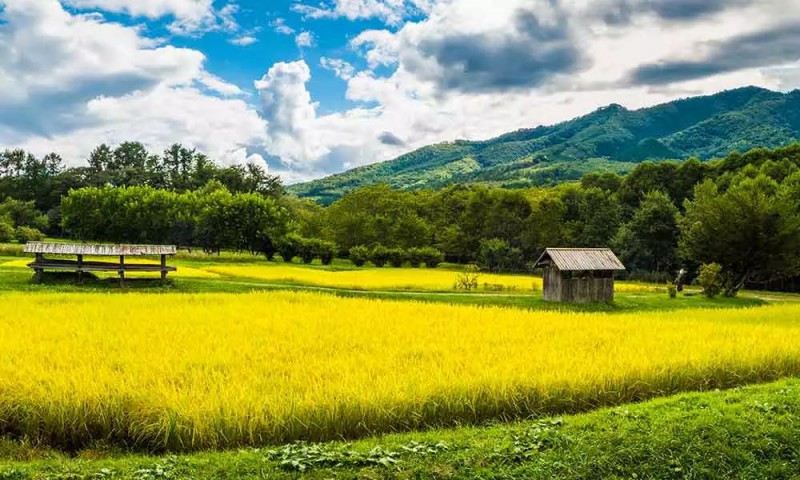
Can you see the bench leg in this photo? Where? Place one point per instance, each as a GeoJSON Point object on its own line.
{"type": "Point", "coordinates": [37, 275]}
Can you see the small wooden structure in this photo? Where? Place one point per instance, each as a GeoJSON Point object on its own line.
{"type": "Point", "coordinates": [579, 275]}
{"type": "Point", "coordinates": [40, 249]}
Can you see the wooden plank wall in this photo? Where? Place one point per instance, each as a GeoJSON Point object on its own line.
{"type": "Point", "coordinates": [576, 290]}
{"type": "Point", "coordinates": [552, 284]}
{"type": "Point", "coordinates": [583, 290]}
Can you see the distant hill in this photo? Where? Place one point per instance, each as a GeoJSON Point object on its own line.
{"type": "Point", "coordinates": [611, 138]}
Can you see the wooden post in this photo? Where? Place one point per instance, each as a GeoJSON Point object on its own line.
{"type": "Point", "coordinates": [122, 270]}
{"type": "Point", "coordinates": [163, 269]}
{"type": "Point", "coordinates": [38, 272]}
{"type": "Point", "coordinates": [80, 268]}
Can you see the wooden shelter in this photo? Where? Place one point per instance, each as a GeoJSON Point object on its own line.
{"type": "Point", "coordinates": [579, 275]}
{"type": "Point", "coordinates": [40, 264]}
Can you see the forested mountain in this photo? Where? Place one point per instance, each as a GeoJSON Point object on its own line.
{"type": "Point", "coordinates": [611, 138]}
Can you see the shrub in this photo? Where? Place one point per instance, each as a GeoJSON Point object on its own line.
{"type": "Point", "coordinates": [28, 234]}
{"type": "Point", "coordinates": [710, 279]}
{"type": "Point", "coordinates": [289, 247]}
{"type": "Point", "coordinates": [468, 278]}
{"type": "Point", "coordinates": [325, 250]}
{"type": "Point", "coordinates": [431, 257]}
{"type": "Point", "coordinates": [497, 255]}
{"type": "Point", "coordinates": [414, 256]}
{"type": "Point", "coordinates": [672, 290]}
{"type": "Point", "coordinates": [379, 256]}
{"type": "Point", "coordinates": [397, 257]}
{"type": "Point", "coordinates": [359, 255]}
{"type": "Point", "coordinates": [307, 249]}
{"type": "Point", "coordinates": [6, 230]}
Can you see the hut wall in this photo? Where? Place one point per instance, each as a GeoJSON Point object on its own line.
{"type": "Point", "coordinates": [552, 284]}
{"type": "Point", "coordinates": [564, 287]}
{"type": "Point", "coordinates": [585, 290]}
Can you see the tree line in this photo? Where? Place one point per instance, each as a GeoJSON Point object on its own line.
{"type": "Point", "coordinates": [741, 212]}
{"type": "Point", "coordinates": [45, 180]}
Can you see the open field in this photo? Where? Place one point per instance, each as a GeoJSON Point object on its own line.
{"type": "Point", "coordinates": [183, 372]}
{"type": "Point", "coordinates": [394, 279]}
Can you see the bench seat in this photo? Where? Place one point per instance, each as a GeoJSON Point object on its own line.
{"type": "Point", "coordinates": [75, 266]}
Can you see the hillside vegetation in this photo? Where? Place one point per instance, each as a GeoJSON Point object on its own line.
{"type": "Point", "coordinates": [612, 139]}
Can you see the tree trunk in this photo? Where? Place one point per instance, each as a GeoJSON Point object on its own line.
{"type": "Point", "coordinates": [733, 290]}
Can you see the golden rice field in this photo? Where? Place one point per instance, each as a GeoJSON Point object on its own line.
{"type": "Point", "coordinates": [414, 279]}
{"type": "Point", "coordinates": [190, 371]}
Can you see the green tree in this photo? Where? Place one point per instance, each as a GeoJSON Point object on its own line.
{"type": "Point", "coordinates": [496, 255]}
{"type": "Point", "coordinates": [649, 242]}
{"type": "Point", "coordinates": [359, 255]}
{"type": "Point", "coordinates": [592, 217]}
{"type": "Point", "coordinates": [752, 230]}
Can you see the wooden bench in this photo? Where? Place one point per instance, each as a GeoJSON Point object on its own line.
{"type": "Point", "coordinates": [40, 264]}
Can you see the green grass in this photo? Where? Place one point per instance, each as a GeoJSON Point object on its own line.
{"type": "Point", "coordinates": [749, 432]}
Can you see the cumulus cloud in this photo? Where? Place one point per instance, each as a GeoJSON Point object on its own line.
{"type": "Point", "coordinates": [286, 105]}
{"type": "Point", "coordinates": [535, 46]}
{"type": "Point", "coordinates": [342, 69]}
{"type": "Point", "coordinates": [279, 26]}
{"type": "Point", "coordinates": [618, 12]}
{"type": "Point", "coordinates": [223, 128]}
{"type": "Point", "coordinates": [304, 39]}
{"type": "Point", "coordinates": [389, 11]}
{"type": "Point", "coordinates": [191, 17]}
{"type": "Point", "coordinates": [52, 63]}
{"type": "Point", "coordinates": [244, 40]}
{"type": "Point", "coordinates": [775, 46]}
{"type": "Point", "coordinates": [70, 82]}
{"type": "Point", "coordinates": [389, 138]}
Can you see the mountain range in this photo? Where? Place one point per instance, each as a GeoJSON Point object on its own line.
{"type": "Point", "coordinates": [611, 138]}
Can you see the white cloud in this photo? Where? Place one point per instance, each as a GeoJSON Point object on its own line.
{"type": "Point", "coordinates": [287, 106]}
{"type": "Point", "coordinates": [244, 40]}
{"type": "Point", "coordinates": [216, 84]}
{"type": "Point", "coordinates": [221, 128]}
{"type": "Point", "coordinates": [181, 9]}
{"type": "Point", "coordinates": [191, 17]}
{"type": "Point", "coordinates": [390, 11]}
{"type": "Point", "coordinates": [342, 69]}
{"type": "Point", "coordinates": [70, 82]}
{"type": "Point", "coordinates": [279, 26]}
{"type": "Point", "coordinates": [304, 39]}
{"type": "Point", "coordinates": [380, 47]}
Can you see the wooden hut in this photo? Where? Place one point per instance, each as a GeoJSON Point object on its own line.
{"type": "Point", "coordinates": [579, 275]}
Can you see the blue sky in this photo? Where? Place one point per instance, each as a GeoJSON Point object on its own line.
{"type": "Point", "coordinates": [307, 88]}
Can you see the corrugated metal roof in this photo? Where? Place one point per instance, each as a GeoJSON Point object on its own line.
{"type": "Point", "coordinates": [99, 250]}
{"type": "Point", "coordinates": [582, 259]}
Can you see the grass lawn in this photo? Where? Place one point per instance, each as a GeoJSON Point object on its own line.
{"type": "Point", "coordinates": [748, 433]}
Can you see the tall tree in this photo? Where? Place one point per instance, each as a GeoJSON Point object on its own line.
{"type": "Point", "coordinates": [649, 242]}
{"type": "Point", "coordinates": [752, 229]}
